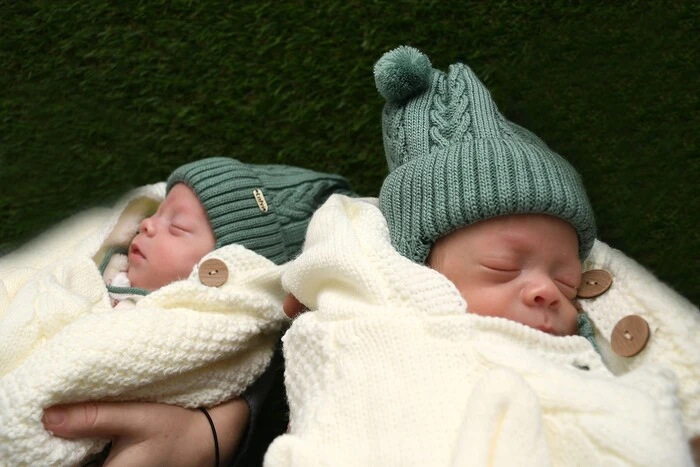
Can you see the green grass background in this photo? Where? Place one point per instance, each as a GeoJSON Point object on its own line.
{"type": "Point", "coordinates": [100, 96]}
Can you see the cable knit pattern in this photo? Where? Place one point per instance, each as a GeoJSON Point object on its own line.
{"type": "Point", "coordinates": [673, 321]}
{"type": "Point", "coordinates": [60, 340]}
{"type": "Point", "coordinates": [389, 370]}
{"type": "Point", "coordinates": [455, 160]}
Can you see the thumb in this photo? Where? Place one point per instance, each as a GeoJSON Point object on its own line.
{"type": "Point", "coordinates": [93, 420]}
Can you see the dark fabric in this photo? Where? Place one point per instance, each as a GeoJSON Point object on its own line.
{"type": "Point", "coordinates": [269, 413]}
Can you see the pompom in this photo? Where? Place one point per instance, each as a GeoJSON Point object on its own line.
{"type": "Point", "coordinates": [402, 73]}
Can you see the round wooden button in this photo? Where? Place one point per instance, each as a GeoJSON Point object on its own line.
{"type": "Point", "coordinates": [630, 335]}
{"type": "Point", "coordinates": [213, 272]}
{"type": "Point", "coordinates": [594, 282]}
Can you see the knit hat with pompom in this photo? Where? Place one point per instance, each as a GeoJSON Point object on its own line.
{"type": "Point", "coordinates": [455, 160]}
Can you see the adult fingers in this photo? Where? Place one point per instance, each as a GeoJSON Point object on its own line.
{"type": "Point", "coordinates": [95, 419]}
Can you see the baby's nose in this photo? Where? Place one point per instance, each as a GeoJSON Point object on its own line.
{"type": "Point", "coordinates": [542, 293]}
{"type": "Point", "coordinates": [147, 226]}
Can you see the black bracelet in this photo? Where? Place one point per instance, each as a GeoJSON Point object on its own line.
{"type": "Point", "coordinates": [213, 431]}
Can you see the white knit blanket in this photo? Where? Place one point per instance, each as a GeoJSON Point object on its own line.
{"type": "Point", "coordinates": [60, 340]}
{"type": "Point", "coordinates": [389, 370]}
{"type": "Point", "coordinates": [673, 321]}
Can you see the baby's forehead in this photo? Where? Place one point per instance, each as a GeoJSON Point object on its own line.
{"type": "Point", "coordinates": [182, 201]}
{"type": "Point", "coordinates": [516, 233]}
{"type": "Point", "coordinates": [182, 196]}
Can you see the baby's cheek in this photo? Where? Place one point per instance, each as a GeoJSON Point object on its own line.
{"type": "Point", "coordinates": [571, 320]}
{"type": "Point", "coordinates": [184, 269]}
{"type": "Point", "coordinates": [133, 274]}
{"type": "Point", "coordinates": [487, 299]}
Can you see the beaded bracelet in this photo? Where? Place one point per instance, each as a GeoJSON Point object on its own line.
{"type": "Point", "coordinates": [213, 431]}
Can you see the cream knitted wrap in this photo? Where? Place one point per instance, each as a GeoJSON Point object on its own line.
{"type": "Point", "coordinates": [674, 323]}
{"type": "Point", "coordinates": [61, 341]}
{"type": "Point", "coordinates": [389, 370]}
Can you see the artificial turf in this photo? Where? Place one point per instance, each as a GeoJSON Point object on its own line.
{"type": "Point", "coordinates": [98, 97]}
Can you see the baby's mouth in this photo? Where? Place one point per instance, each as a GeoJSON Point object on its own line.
{"type": "Point", "coordinates": [136, 251]}
{"type": "Point", "coordinates": [545, 328]}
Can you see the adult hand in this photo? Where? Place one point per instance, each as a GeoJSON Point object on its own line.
{"type": "Point", "coordinates": [152, 434]}
{"type": "Point", "coordinates": [293, 307]}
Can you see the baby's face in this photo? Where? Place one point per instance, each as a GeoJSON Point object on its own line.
{"type": "Point", "coordinates": [170, 242]}
{"type": "Point", "coordinates": [521, 267]}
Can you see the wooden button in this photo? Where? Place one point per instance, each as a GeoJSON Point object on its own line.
{"type": "Point", "coordinates": [594, 282]}
{"type": "Point", "coordinates": [213, 272]}
{"type": "Point", "coordinates": [630, 336]}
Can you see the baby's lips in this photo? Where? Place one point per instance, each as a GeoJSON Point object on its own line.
{"type": "Point", "coordinates": [135, 250]}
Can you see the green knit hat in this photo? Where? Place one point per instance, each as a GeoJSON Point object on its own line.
{"type": "Point", "coordinates": [265, 208]}
{"type": "Point", "coordinates": [455, 160]}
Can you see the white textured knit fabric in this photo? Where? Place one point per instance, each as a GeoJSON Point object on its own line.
{"type": "Point", "coordinates": [61, 341]}
{"type": "Point", "coordinates": [673, 321]}
{"type": "Point", "coordinates": [389, 370]}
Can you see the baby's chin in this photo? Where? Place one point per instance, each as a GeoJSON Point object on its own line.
{"type": "Point", "coordinates": [139, 283]}
{"type": "Point", "coordinates": [146, 281]}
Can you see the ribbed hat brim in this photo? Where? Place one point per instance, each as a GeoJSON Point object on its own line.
{"type": "Point", "coordinates": [265, 208]}
{"type": "Point", "coordinates": [427, 198]}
